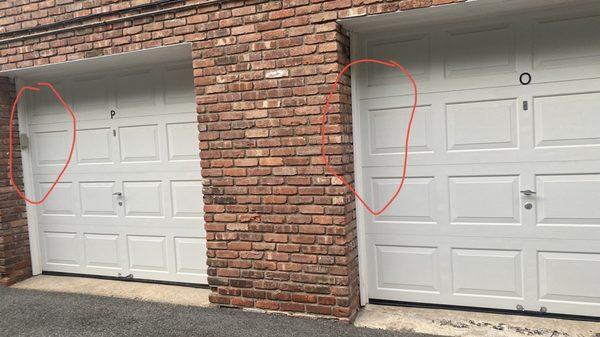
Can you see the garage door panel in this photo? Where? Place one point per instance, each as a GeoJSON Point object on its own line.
{"type": "Point", "coordinates": [90, 97]}
{"type": "Point", "coordinates": [143, 198]}
{"type": "Point", "coordinates": [102, 251]}
{"type": "Point", "coordinates": [87, 96]}
{"type": "Point", "coordinates": [383, 124]}
{"type": "Point", "coordinates": [190, 257]}
{"type": "Point", "coordinates": [419, 272]}
{"type": "Point", "coordinates": [387, 130]}
{"type": "Point", "coordinates": [565, 42]}
{"type": "Point", "coordinates": [485, 272]}
{"type": "Point", "coordinates": [139, 143]}
{"type": "Point", "coordinates": [568, 200]}
{"type": "Point", "coordinates": [148, 152]}
{"type": "Point", "coordinates": [415, 204]}
{"type": "Point", "coordinates": [415, 210]}
{"type": "Point", "coordinates": [52, 146]}
{"type": "Point", "coordinates": [462, 127]}
{"type": "Point", "coordinates": [147, 253]}
{"type": "Point", "coordinates": [570, 120]}
{"type": "Point", "coordinates": [44, 105]}
{"type": "Point", "coordinates": [569, 277]}
{"type": "Point", "coordinates": [439, 60]}
{"type": "Point", "coordinates": [135, 90]}
{"type": "Point", "coordinates": [412, 49]}
{"type": "Point", "coordinates": [93, 146]}
{"type": "Point", "coordinates": [61, 202]}
{"type": "Point", "coordinates": [186, 199]}
{"type": "Point", "coordinates": [482, 126]}
{"type": "Point", "coordinates": [97, 198]}
{"type": "Point", "coordinates": [522, 153]}
{"type": "Point", "coordinates": [460, 232]}
{"type": "Point", "coordinates": [178, 83]}
{"type": "Point", "coordinates": [61, 248]}
{"type": "Point", "coordinates": [487, 204]}
{"type": "Point", "coordinates": [182, 139]}
{"type": "Point", "coordinates": [479, 51]}
{"type": "Point", "coordinates": [183, 220]}
{"type": "Point", "coordinates": [484, 200]}
{"type": "Point", "coordinates": [463, 269]}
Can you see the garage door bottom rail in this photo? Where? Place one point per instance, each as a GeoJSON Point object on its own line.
{"type": "Point", "coordinates": [484, 310]}
{"type": "Point", "coordinates": [127, 279]}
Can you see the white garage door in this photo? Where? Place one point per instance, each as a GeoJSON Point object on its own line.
{"type": "Point", "coordinates": [130, 203]}
{"type": "Point", "coordinates": [461, 232]}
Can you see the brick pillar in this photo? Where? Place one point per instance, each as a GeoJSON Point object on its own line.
{"type": "Point", "coordinates": [15, 261]}
{"type": "Point", "coordinates": [281, 232]}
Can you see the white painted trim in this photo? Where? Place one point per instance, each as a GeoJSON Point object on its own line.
{"type": "Point", "coordinates": [32, 220]}
{"type": "Point", "coordinates": [356, 139]}
{"type": "Point", "coordinates": [455, 12]}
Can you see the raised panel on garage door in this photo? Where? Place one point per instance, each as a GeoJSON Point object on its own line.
{"type": "Point", "coordinates": [499, 207]}
{"type": "Point", "coordinates": [566, 47]}
{"type": "Point", "coordinates": [131, 201]}
{"type": "Point", "coordinates": [569, 277]}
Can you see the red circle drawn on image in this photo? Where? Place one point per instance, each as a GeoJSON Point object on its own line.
{"type": "Point", "coordinates": [408, 75]}
{"type": "Point", "coordinates": [10, 141]}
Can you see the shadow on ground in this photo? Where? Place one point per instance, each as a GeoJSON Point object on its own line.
{"type": "Point", "coordinates": [35, 313]}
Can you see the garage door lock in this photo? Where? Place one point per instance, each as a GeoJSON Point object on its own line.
{"type": "Point", "coordinates": [528, 192]}
{"type": "Point", "coordinates": [119, 195]}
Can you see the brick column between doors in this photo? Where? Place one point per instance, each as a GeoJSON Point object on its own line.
{"type": "Point", "coordinates": [281, 230]}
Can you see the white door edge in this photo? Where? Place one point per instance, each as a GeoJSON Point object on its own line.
{"type": "Point", "coordinates": [32, 221]}
{"type": "Point", "coordinates": [356, 139]}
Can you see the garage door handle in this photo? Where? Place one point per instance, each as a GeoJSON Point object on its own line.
{"type": "Point", "coordinates": [118, 193]}
{"type": "Point", "coordinates": [528, 192]}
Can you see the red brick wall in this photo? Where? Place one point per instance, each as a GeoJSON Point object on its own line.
{"type": "Point", "coordinates": [15, 261]}
{"type": "Point", "coordinates": [281, 231]}
{"type": "Point", "coordinates": [25, 14]}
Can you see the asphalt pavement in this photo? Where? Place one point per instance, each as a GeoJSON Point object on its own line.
{"type": "Point", "coordinates": [44, 314]}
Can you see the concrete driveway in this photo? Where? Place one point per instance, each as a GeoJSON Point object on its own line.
{"type": "Point", "coordinates": [41, 314]}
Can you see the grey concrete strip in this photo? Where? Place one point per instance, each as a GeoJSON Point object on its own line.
{"type": "Point", "coordinates": [25, 313]}
{"type": "Point", "coordinates": [462, 323]}
{"type": "Point", "coordinates": [131, 290]}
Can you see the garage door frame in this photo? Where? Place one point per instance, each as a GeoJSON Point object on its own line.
{"type": "Point", "coordinates": [32, 220]}
{"type": "Point", "coordinates": [358, 173]}
{"type": "Point", "coordinates": [454, 13]}
{"type": "Point", "coordinates": [166, 54]}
